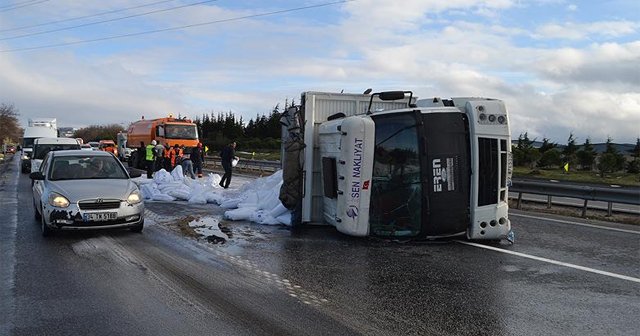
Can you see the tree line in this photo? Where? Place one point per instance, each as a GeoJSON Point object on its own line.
{"type": "Point", "coordinates": [261, 133]}
{"type": "Point", "coordinates": [574, 156]}
{"type": "Point", "coordinates": [10, 131]}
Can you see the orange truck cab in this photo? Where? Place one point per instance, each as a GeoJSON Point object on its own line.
{"type": "Point", "coordinates": [166, 131]}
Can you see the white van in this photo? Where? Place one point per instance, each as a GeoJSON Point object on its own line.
{"type": "Point", "coordinates": [42, 146]}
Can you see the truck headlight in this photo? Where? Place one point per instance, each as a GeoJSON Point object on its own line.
{"type": "Point", "coordinates": [134, 197]}
{"type": "Point", "coordinates": [58, 200]}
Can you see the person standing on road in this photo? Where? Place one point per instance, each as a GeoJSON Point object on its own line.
{"type": "Point", "coordinates": [150, 157]}
{"type": "Point", "coordinates": [187, 165]}
{"type": "Point", "coordinates": [197, 157]}
{"type": "Point", "coordinates": [166, 153]}
{"type": "Point", "coordinates": [158, 152]}
{"type": "Point", "coordinates": [228, 154]}
{"type": "Point", "coordinates": [140, 158]}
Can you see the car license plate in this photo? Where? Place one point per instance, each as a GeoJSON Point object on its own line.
{"type": "Point", "coordinates": [99, 216]}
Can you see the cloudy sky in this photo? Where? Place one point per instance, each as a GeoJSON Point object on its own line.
{"type": "Point", "coordinates": [560, 66]}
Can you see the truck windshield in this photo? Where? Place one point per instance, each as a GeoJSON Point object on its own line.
{"type": "Point", "coordinates": [28, 142]}
{"type": "Point", "coordinates": [396, 188]}
{"type": "Point", "coordinates": [173, 131]}
{"type": "Point", "coordinates": [42, 150]}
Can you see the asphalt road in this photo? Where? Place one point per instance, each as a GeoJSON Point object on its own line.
{"type": "Point", "coordinates": [567, 277]}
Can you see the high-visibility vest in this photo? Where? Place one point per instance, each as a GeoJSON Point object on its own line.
{"type": "Point", "coordinates": [149, 151]}
{"type": "Point", "coordinates": [173, 153]}
{"type": "Point", "coordinates": [167, 153]}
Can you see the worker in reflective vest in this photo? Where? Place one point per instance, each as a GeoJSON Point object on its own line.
{"type": "Point", "coordinates": [149, 157]}
{"type": "Point", "coordinates": [167, 157]}
{"type": "Point", "coordinates": [173, 155]}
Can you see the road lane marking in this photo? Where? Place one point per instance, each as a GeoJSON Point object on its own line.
{"type": "Point", "coordinates": [576, 223]}
{"type": "Point", "coordinates": [551, 261]}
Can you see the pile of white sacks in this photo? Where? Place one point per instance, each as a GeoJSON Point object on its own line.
{"type": "Point", "coordinates": [257, 201]}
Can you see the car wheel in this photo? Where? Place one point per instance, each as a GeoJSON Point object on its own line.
{"type": "Point", "coordinates": [46, 231]}
{"type": "Point", "coordinates": [36, 214]}
{"type": "Point", "coordinates": [138, 228]}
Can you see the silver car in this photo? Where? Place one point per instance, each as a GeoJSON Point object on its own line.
{"type": "Point", "coordinates": [77, 190]}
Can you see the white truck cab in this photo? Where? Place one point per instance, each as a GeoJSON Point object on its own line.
{"type": "Point", "coordinates": [42, 146]}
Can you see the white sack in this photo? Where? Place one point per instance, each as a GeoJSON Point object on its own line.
{"type": "Point", "coordinates": [163, 197]}
{"type": "Point", "coordinates": [239, 214]}
{"type": "Point", "coordinates": [278, 210]}
{"type": "Point", "coordinates": [162, 176]}
{"type": "Point", "coordinates": [285, 218]}
{"type": "Point", "coordinates": [177, 173]}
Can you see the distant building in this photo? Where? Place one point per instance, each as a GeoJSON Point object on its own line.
{"type": "Point", "coordinates": [66, 132]}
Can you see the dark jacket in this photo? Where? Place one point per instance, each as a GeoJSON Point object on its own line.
{"type": "Point", "coordinates": [227, 154]}
{"type": "Point", "coordinates": [197, 155]}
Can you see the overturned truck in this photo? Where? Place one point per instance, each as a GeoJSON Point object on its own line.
{"type": "Point", "coordinates": [389, 165]}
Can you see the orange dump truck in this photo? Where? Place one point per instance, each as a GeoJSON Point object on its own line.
{"type": "Point", "coordinates": [171, 131]}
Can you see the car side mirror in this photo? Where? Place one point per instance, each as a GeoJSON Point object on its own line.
{"type": "Point", "coordinates": [36, 176]}
{"type": "Point", "coordinates": [133, 173]}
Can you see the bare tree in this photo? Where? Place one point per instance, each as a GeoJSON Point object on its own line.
{"type": "Point", "coordinates": [10, 131]}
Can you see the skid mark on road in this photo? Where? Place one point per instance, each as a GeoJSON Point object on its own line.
{"type": "Point", "coordinates": [286, 285]}
{"type": "Point", "coordinates": [551, 261]}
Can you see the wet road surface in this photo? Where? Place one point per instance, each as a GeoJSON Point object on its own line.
{"type": "Point", "coordinates": [313, 281]}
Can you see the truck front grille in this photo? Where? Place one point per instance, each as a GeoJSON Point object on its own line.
{"type": "Point", "coordinates": [488, 172]}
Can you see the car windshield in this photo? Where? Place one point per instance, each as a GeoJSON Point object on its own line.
{"type": "Point", "coordinates": [86, 167]}
{"type": "Point", "coordinates": [41, 150]}
{"type": "Point", "coordinates": [173, 131]}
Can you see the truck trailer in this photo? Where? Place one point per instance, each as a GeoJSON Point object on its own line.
{"type": "Point", "coordinates": [390, 165]}
{"type": "Point", "coordinates": [36, 128]}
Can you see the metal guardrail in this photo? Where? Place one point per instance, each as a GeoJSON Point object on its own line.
{"type": "Point", "coordinates": [586, 193]}
{"type": "Point", "coordinates": [610, 195]}
{"type": "Point", "coordinates": [260, 166]}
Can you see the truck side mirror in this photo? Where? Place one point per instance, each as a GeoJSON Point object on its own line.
{"type": "Point", "coordinates": [391, 95]}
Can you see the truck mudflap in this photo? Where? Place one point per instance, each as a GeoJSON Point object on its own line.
{"type": "Point", "coordinates": [354, 170]}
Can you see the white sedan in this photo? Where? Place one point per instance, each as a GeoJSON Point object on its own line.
{"type": "Point", "coordinates": [78, 190]}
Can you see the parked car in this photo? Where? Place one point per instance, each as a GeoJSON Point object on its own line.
{"type": "Point", "coordinates": [79, 190]}
{"type": "Point", "coordinates": [94, 145]}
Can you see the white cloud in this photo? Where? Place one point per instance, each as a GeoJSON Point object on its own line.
{"type": "Point", "coordinates": [579, 31]}
{"type": "Point", "coordinates": [435, 48]}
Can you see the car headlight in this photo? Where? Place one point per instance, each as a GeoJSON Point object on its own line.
{"type": "Point", "coordinates": [25, 157]}
{"type": "Point", "coordinates": [134, 197]}
{"type": "Point", "coordinates": [58, 200]}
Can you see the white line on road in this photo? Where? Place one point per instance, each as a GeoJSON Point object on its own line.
{"type": "Point", "coordinates": [551, 261]}
{"type": "Point", "coordinates": [576, 223]}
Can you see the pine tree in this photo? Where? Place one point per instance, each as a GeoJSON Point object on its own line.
{"type": "Point", "coordinates": [586, 155]}
{"type": "Point", "coordinates": [633, 167]}
{"type": "Point", "coordinates": [569, 153]}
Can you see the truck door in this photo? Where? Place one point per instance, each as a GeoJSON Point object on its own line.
{"type": "Point", "coordinates": [447, 173]}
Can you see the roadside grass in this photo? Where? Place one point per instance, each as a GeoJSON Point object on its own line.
{"type": "Point", "coordinates": [625, 179]}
